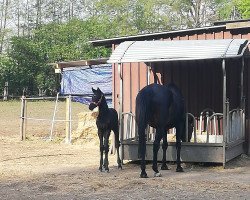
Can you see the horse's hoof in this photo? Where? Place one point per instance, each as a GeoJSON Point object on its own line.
{"type": "Point", "coordinates": [144, 175]}
{"type": "Point", "coordinates": [179, 169]}
{"type": "Point", "coordinates": [100, 169]}
{"type": "Point", "coordinates": [164, 167]}
{"type": "Point", "coordinates": [157, 174]}
{"type": "Point", "coordinates": [120, 167]}
{"type": "Point", "coordinates": [106, 169]}
{"type": "Point", "coordinates": [155, 168]}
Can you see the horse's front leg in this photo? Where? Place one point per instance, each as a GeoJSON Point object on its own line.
{"type": "Point", "coordinates": [164, 152]}
{"type": "Point", "coordinates": [179, 130]}
{"type": "Point", "coordinates": [156, 147]}
{"type": "Point", "coordinates": [106, 150]}
{"type": "Point", "coordinates": [101, 149]}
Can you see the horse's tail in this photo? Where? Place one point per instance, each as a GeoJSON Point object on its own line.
{"type": "Point", "coordinates": [141, 110]}
{"type": "Point", "coordinates": [141, 117]}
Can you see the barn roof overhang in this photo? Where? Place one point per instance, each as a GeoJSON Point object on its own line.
{"type": "Point", "coordinates": [157, 51]}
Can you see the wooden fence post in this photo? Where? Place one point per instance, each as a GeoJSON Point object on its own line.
{"type": "Point", "coordinates": [6, 91]}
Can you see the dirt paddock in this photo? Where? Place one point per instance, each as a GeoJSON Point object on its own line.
{"type": "Point", "coordinates": [38, 169]}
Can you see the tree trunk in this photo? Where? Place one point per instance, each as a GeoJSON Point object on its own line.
{"type": "Point", "coordinates": [3, 23]}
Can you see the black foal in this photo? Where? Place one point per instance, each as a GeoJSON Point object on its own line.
{"type": "Point", "coordinates": [106, 121]}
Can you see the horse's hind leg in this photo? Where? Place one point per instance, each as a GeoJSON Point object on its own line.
{"type": "Point", "coordinates": [142, 150]}
{"type": "Point", "coordinates": [106, 150]}
{"type": "Point", "coordinates": [164, 152]}
{"type": "Point", "coordinates": [179, 130]}
{"type": "Point", "coordinates": [156, 147]}
{"type": "Point", "coordinates": [117, 145]}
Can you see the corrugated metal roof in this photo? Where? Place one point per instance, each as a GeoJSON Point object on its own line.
{"type": "Point", "coordinates": [153, 51]}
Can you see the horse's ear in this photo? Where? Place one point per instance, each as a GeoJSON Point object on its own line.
{"type": "Point", "coordinates": [93, 90]}
{"type": "Point", "coordinates": [98, 89]}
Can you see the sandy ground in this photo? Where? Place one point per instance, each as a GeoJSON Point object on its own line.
{"type": "Point", "coordinates": [38, 169]}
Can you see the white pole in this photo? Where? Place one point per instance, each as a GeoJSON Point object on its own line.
{"type": "Point", "coordinates": [70, 118]}
{"type": "Point", "coordinates": [67, 127]}
{"type": "Point", "coordinates": [120, 111]}
{"type": "Point", "coordinates": [225, 111]}
{"type": "Point", "coordinates": [53, 118]}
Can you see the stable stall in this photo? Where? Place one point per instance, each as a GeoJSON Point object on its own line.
{"type": "Point", "coordinates": [210, 74]}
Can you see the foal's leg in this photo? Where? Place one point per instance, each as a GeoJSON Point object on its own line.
{"type": "Point", "coordinates": [106, 149]}
{"type": "Point", "coordinates": [179, 130]}
{"type": "Point", "coordinates": [156, 147]}
{"type": "Point", "coordinates": [117, 145]}
{"type": "Point", "coordinates": [101, 149]}
{"type": "Point", "coordinates": [164, 152]}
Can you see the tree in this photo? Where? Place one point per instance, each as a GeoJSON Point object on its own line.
{"type": "Point", "coordinates": [27, 60]}
{"type": "Point", "coordinates": [52, 43]}
{"type": "Point", "coordinates": [5, 71]}
{"type": "Point", "coordinates": [3, 28]}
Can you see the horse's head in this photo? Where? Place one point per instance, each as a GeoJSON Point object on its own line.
{"type": "Point", "coordinates": [96, 98]}
{"type": "Point", "coordinates": [190, 130]}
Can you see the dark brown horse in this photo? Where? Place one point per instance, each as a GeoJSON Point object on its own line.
{"type": "Point", "coordinates": [161, 107]}
{"type": "Point", "coordinates": [106, 122]}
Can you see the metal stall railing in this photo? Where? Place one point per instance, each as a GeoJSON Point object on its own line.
{"type": "Point", "coordinates": [129, 127]}
{"type": "Point", "coordinates": [236, 125]}
{"type": "Point", "coordinates": [213, 128]}
{"type": "Point", "coordinates": [210, 127]}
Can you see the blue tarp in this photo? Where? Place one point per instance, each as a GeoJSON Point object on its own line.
{"type": "Point", "coordinates": [79, 81]}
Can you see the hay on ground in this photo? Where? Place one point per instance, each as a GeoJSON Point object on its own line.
{"type": "Point", "coordinates": [86, 130]}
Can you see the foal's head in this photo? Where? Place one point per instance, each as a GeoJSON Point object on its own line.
{"type": "Point", "coordinates": [96, 98]}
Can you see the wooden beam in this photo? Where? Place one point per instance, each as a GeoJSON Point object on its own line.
{"type": "Point", "coordinates": [81, 63]}
{"type": "Point", "coordinates": [237, 25]}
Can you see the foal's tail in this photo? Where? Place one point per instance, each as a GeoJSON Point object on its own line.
{"type": "Point", "coordinates": [141, 117]}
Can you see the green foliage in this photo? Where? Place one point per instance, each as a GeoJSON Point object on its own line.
{"type": "Point", "coordinates": [225, 9]}
{"type": "Point", "coordinates": [27, 62]}
{"type": "Point", "coordinates": [244, 8]}
{"type": "Point", "coordinates": [52, 43]}
{"type": "Point", "coordinates": [134, 17]}
{"type": "Point", "coordinates": [233, 9]}
{"type": "Point", "coordinates": [5, 70]}
{"type": "Point", "coordinates": [67, 41]}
